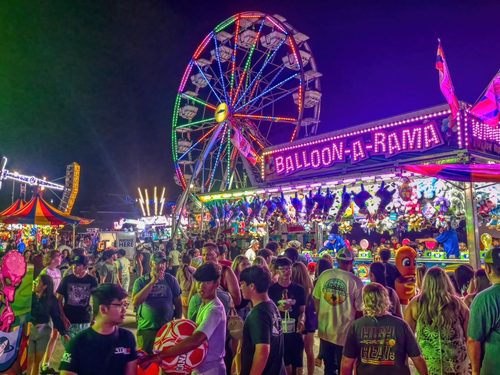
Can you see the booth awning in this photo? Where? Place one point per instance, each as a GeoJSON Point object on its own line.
{"type": "Point", "coordinates": [459, 172]}
{"type": "Point", "coordinates": [38, 212]}
{"type": "Point", "coordinates": [18, 204]}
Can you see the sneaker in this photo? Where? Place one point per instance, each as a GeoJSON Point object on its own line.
{"type": "Point", "coordinates": [48, 371]}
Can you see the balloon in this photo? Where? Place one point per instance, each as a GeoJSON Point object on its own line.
{"type": "Point", "coordinates": [486, 240]}
{"type": "Point", "coordinates": [431, 245]}
{"type": "Point", "coordinates": [364, 244]}
{"type": "Point", "coordinates": [405, 242]}
{"type": "Point", "coordinates": [348, 244]}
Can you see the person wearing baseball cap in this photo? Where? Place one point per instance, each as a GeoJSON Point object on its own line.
{"type": "Point", "coordinates": [157, 298]}
{"type": "Point", "coordinates": [211, 325]}
{"type": "Point", "coordinates": [251, 253]}
{"type": "Point", "coordinates": [483, 331]}
{"type": "Point", "coordinates": [338, 301]}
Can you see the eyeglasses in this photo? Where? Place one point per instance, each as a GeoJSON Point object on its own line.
{"type": "Point", "coordinates": [123, 305]}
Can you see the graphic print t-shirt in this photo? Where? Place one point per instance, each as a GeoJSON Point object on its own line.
{"type": "Point", "coordinates": [263, 326]}
{"type": "Point", "coordinates": [158, 308]}
{"type": "Point", "coordinates": [76, 292]}
{"type": "Point", "coordinates": [382, 345]}
{"type": "Point", "coordinates": [339, 295]}
{"type": "Point", "coordinates": [90, 353]}
{"type": "Point", "coordinates": [294, 292]}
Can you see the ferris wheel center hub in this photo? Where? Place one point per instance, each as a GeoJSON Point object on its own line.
{"type": "Point", "coordinates": [221, 112]}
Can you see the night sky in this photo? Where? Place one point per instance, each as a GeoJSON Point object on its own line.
{"type": "Point", "coordinates": [95, 81]}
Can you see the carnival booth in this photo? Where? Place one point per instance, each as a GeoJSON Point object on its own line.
{"type": "Point", "coordinates": [405, 176]}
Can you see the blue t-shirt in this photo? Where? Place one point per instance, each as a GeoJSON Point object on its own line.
{"type": "Point", "coordinates": [449, 240]}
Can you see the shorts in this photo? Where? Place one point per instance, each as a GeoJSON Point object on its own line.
{"type": "Point", "coordinates": [146, 339]}
{"type": "Point", "coordinates": [293, 349]}
{"type": "Point", "coordinates": [39, 339]}
{"type": "Point", "coordinates": [74, 329]}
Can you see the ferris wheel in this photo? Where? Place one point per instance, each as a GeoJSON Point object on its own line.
{"type": "Point", "coordinates": [251, 83]}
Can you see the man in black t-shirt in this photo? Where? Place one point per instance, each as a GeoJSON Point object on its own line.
{"type": "Point", "coordinates": [290, 297]}
{"type": "Point", "coordinates": [262, 347]}
{"type": "Point", "coordinates": [391, 272]}
{"type": "Point", "coordinates": [103, 349]}
{"type": "Point", "coordinates": [74, 297]}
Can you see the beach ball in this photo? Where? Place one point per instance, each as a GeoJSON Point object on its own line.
{"type": "Point", "coordinates": [171, 334]}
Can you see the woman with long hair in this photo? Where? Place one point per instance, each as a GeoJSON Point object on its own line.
{"type": "Point", "coordinates": [240, 262]}
{"type": "Point", "coordinates": [421, 270]}
{"type": "Point", "coordinates": [300, 275]}
{"type": "Point", "coordinates": [380, 342]}
{"type": "Point", "coordinates": [185, 278]}
{"type": "Point", "coordinates": [378, 275]}
{"type": "Point", "coordinates": [439, 317]}
{"type": "Point", "coordinates": [479, 283]}
{"type": "Point", "coordinates": [44, 307]}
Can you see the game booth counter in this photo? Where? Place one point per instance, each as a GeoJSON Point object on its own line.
{"type": "Point", "coordinates": [405, 176]}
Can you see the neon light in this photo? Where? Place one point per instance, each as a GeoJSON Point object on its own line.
{"type": "Point", "coordinates": [208, 82]}
{"type": "Point", "coordinates": [324, 154]}
{"type": "Point", "coordinates": [270, 19]}
{"type": "Point", "coordinates": [233, 67]}
{"type": "Point", "coordinates": [357, 132]}
{"type": "Point", "coordinates": [216, 160]}
{"type": "Point", "coordinates": [247, 64]}
{"type": "Point", "coordinates": [221, 26]}
{"type": "Point", "coordinates": [269, 118]}
{"type": "Point", "coordinates": [220, 67]}
{"type": "Point", "coordinates": [266, 91]}
{"type": "Point", "coordinates": [202, 46]}
{"type": "Point", "coordinates": [186, 75]}
{"type": "Point", "coordinates": [199, 101]}
{"type": "Point", "coordinates": [252, 84]}
{"type": "Point", "coordinates": [200, 140]}
{"type": "Point", "coordinates": [188, 125]}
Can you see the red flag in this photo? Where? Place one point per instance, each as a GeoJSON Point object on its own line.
{"type": "Point", "coordinates": [445, 81]}
{"type": "Point", "coordinates": [488, 107]}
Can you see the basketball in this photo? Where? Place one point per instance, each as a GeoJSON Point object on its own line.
{"type": "Point", "coordinates": [172, 333]}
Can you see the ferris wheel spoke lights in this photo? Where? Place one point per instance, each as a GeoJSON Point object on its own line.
{"type": "Point", "coordinates": [240, 92]}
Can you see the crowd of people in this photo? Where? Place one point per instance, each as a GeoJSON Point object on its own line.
{"type": "Point", "coordinates": [259, 309]}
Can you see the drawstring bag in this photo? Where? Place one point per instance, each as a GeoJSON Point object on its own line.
{"type": "Point", "coordinates": [235, 324]}
{"type": "Point", "coordinates": [287, 323]}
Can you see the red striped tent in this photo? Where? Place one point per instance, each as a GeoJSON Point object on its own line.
{"type": "Point", "coordinates": [38, 212]}
{"type": "Point", "coordinates": [18, 204]}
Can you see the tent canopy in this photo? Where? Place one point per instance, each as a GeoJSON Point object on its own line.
{"type": "Point", "coordinates": [459, 172]}
{"type": "Point", "coordinates": [18, 204]}
{"type": "Point", "coordinates": [38, 212]}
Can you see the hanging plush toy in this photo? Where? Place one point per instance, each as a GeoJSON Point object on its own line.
{"type": "Point", "coordinates": [360, 200]}
{"type": "Point", "coordinates": [442, 205]}
{"type": "Point", "coordinates": [256, 207]}
{"type": "Point", "coordinates": [281, 205]}
{"type": "Point", "coordinates": [329, 199]}
{"type": "Point", "coordinates": [227, 212]}
{"type": "Point", "coordinates": [297, 205]}
{"type": "Point", "coordinates": [319, 200]}
{"type": "Point", "coordinates": [345, 199]}
{"type": "Point", "coordinates": [271, 207]}
{"type": "Point", "coordinates": [309, 205]}
{"type": "Point", "coordinates": [405, 283]}
{"type": "Point", "coordinates": [385, 196]}
{"type": "Point", "coordinates": [406, 190]}
{"type": "Point", "coordinates": [245, 208]}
